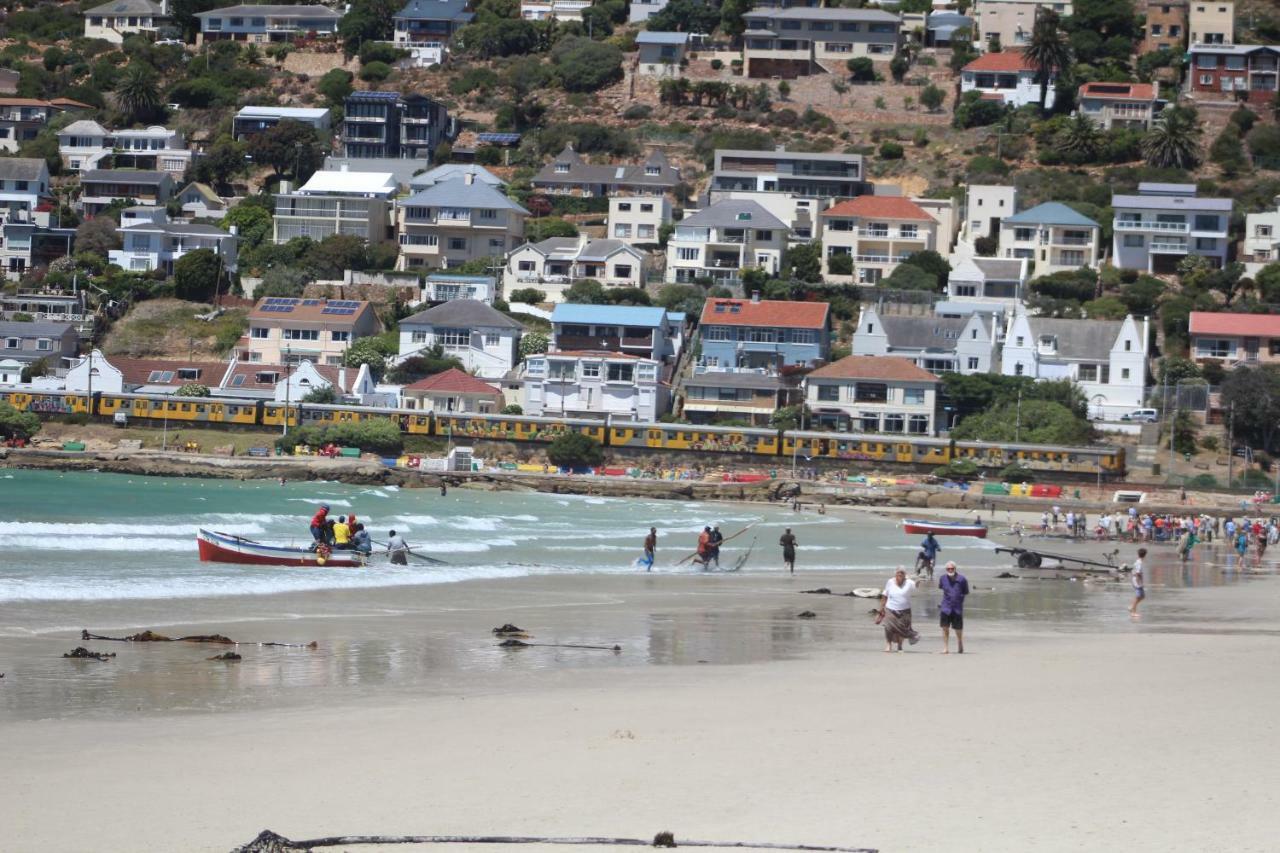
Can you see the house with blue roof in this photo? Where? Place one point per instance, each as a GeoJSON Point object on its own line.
{"type": "Point", "coordinates": [1052, 237]}
{"type": "Point", "coordinates": [424, 27]}
{"type": "Point", "coordinates": [455, 221]}
{"type": "Point", "coordinates": [639, 331]}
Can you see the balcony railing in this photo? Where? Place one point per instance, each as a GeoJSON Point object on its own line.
{"type": "Point", "coordinates": [1161, 246]}
{"type": "Point", "coordinates": [1150, 225]}
{"type": "Point", "coordinates": [1072, 241]}
{"type": "Point", "coordinates": [880, 259]}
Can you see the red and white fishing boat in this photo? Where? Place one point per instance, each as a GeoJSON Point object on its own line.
{"type": "Point", "coordinates": [228, 548]}
{"type": "Point", "coordinates": [944, 528]}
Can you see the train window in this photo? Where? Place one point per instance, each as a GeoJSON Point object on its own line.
{"type": "Point", "coordinates": [200, 407]}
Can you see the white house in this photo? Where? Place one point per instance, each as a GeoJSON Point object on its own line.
{"type": "Point", "coordinates": [485, 340]}
{"type": "Point", "coordinates": [256, 119]}
{"type": "Point", "coordinates": [1106, 358]}
{"type": "Point", "coordinates": [643, 10]}
{"type": "Point", "coordinates": [24, 184]}
{"type": "Point", "coordinates": [1262, 237]}
{"type": "Point", "coordinates": [266, 24]}
{"type": "Point", "coordinates": [553, 10]}
{"type": "Point", "coordinates": [294, 382]}
{"type": "Point", "coordinates": [119, 18]}
{"type": "Point", "coordinates": [720, 241]}
{"type": "Point", "coordinates": [661, 54]}
{"type": "Point", "coordinates": [938, 344]}
{"type": "Point", "coordinates": [85, 145]}
{"type": "Point", "coordinates": [451, 391]}
{"type": "Point", "coordinates": [336, 202]}
{"type": "Point", "coordinates": [865, 238]}
{"type": "Point", "coordinates": [637, 219]}
{"type": "Point", "coordinates": [1155, 229]}
{"type": "Point", "coordinates": [864, 393]}
{"type": "Point", "coordinates": [987, 285]}
{"type": "Point", "coordinates": [1052, 236]}
{"type": "Point", "coordinates": [595, 384]}
{"type": "Point", "coordinates": [985, 205]}
{"type": "Point", "coordinates": [1006, 77]}
{"type": "Point", "coordinates": [640, 330]}
{"type": "Point", "coordinates": [11, 371]}
{"type": "Point", "coordinates": [199, 201]}
{"type": "Point", "coordinates": [444, 286]}
{"type": "Point", "coordinates": [158, 245]}
{"type": "Point", "coordinates": [552, 265]}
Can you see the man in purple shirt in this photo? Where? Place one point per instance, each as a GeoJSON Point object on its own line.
{"type": "Point", "coordinates": [954, 588]}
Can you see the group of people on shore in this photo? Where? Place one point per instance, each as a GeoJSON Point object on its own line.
{"type": "Point", "coordinates": [894, 614]}
{"type": "Point", "coordinates": [347, 533]}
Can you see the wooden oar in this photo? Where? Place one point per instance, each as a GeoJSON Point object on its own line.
{"type": "Point", "coordinates": [431, 561]}
{"type": "Point", "coordinates": [722, 541]}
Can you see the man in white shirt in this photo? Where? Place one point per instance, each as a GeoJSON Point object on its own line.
{"type": "Point", "coordinates": [895, 611]}
{"type": "Point", "coordinates": [1139, 583]}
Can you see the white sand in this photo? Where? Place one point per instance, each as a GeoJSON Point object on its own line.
{"type": "Point", "coordinates": [1129, 739]}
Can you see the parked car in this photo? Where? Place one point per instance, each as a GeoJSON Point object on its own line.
{"type": "Point", "coordinates": [1141, 416]}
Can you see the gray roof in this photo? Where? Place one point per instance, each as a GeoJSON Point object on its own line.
{"type": "Point", "coordinates": [566, 248]}
{"type": "Point", "coordinates": [128, 7]}
{"type": "Point", "coordinates": [1051, 213]}
{"type": "Point", "coordinates": [1083, 339]}
{"type": "Point", "coordinates": [453, 170]}
{"type": "Point", "coordinates": [783, 154]}
{"type": "Point", "coordinates": [33, 330]}
{"type": "Point", "coordinates": [434, 10]}
{"type": "Point", "coordinates": [726, 379]}
{"type": "Point", "coordinates": [123, 176]}
{"type": "Point", "coordinates": [1009, 269]}
{"type": "Point", "coordinates": [924, 333]}
{"type": "Point", "coordinates": [462, 314]}
{"type": "Point", "coordinates": [730, 212]}
{"type": "Point", "coordinates": [22, 168]}
{"type": "Point", "coordinates": [83, 127]}
{"type": "Point", "coordinates": [1171, 203]}
{"type": "Point", "coordinates": [264, 11]}
{"type": "Point", "coordinates": [598, 250]}
{"type": "Point", "coordinates": [827, 14]}
{"type": "Point", "coordinates": [648, 37]}
{"type": "Point", "coordinates": [582, 172]}
{"type": "Point", "coordinates": [456, 192]}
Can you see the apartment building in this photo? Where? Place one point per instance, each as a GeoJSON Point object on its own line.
{"type": "Point", "coordinates": [797, 42]}
{"type": "Point", "coordinates": [802, 174]}
{"type": "Point", "coordinates": [424, 28]}
{"type": "Point", "coordinates": [553, 265]}
{"type": "Point", "coordinates": [720, 241]}
{"type": "Point", "coordinates": [285, 330]}
{"type": "Point", "coordinates": [158, 245]}
{"type": "Point", "coordinates": [1163, 223]}
{"type": "Point", "coordinates": [863, 393]}
{"type": "Point", "coordinates": [640, 331]}
{"type": "Point", "coordinates": [389, 125]}
{"type": "Point", "coordinates": [24, 190]}
{"type": "Point", "coordinates": [1052, 237]}
{"type": "Point", "coordinates": [938, 344]}
{"type": "Point", "coordinates": [119, 18]}
{"type": "Point", "coordinates": [985, 206]}
{"type": "Point", "coordinates": [637, 220]}
{"type": "Point", "coordinates": [1235, 340]}
{"type": "Point", "coordinates": [1212, 22]}
{"type": "Point", "coordinates": [264, 24]}
{"type": "Point", "coordinates": [21, 119]}
{"type": "Point", "coordinates": [1129, 106]}
{"type": "Point", "coordinates": [86, 145]}
{"type": "Point", "coordinates": [766, 334]}
{"type": "Point", "coordinates": [336, 202]}
{"type": "Point", "coordinates": [452, 391]}
{"type": "Point", "coordinates": [1262, 236]}
{"type": "Point", "coordinates": [1003, 24]}
{"type": "Point", "coordinates": [569, 174]}
{"type": "Point", "coordinates": [1106, 358]}
{"type": "Point", "coordinates": [864, 239]}
{"type": "Point", "coordinates": [456, 221]}
{"type": "Point", "coordinates": [1229, 72]}
{"type": "Point", "coordinates": [100, 187]}
{"type": "Point", "coordinates": [595, 384]}
{"type": "Point", "coordinates": [1166, 27]}
{"type": "Point", "coordinates": [485, 340]}
{"type": "Point", "coordinates": [253, 119]}
{"type": "Point", "coordinates": [1006, 77]}
{"type": "Point", "coordinates": [750, 395]}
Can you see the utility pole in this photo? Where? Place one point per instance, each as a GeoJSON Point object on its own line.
{"type": "Point", "coordinates": [1231, 440]}
{"type": "Point", "coordinates": [284, 430]}
{"type": "Point", "coordinates": [1173, 427]}
{"type": "Point", "coordinates": [1017, 425]}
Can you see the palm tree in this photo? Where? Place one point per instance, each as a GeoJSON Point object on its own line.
{"type": "Point", "coordinates": [1080, 136]}
{"type": "Point", "coordinates": [138, 93]}
{"type": "Point", "coordinates": [1174, 140]}
{"type": "Point", "coordinates": [1048, 51]}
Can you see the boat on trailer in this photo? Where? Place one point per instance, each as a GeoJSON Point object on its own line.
{"type": "Point", "coordinates": [944, 528]}
{"type": "Point", "coordinates": [218, 547]}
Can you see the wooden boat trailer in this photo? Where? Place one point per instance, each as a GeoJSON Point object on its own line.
{"type": "Point", "coordinates": [1031, 558]}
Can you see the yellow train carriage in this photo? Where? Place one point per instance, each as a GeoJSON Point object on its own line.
{"type": "Point", "coordinates": [514, 427]}
{"type": "Point", "coordinates": [46, 402]}
{"type": "Point", "coordinates": [711, 439]}
{"type": "Point", "coordinates": [853, 447]}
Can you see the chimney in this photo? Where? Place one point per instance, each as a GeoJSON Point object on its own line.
{"type": "Point", "coordinates": [342, 380]}
{"type": "Point", "coordinates": [345, 167]}
{"type": "Point", "coordinates": [283, 189]}
{"type": "Point", "coordinates": [755, 296]}
{"type": "Point", "coordinates": [469, 177]}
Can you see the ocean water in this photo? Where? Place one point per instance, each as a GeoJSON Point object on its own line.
{"type": "Point", "coordinates": [84, 536]}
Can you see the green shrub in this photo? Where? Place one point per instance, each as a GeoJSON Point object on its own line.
{"type": "Point", "coordinates": [528, 295]}
{"type": "Point", "coordinates": [378, 435]}
{"type": "Point", "coordinates": [1202, 481]}
{"type": "Point", "coordinates": [716, 65]}
{"type": "Point", "coordinates": [375, 72]}
{"type": "Point", "coordinates": [890, 151]}
{"type": "Point", "coordinates": [1017, 473]}
{"type": "Point", "coordinates": [575, 450]}
{"type": "Point", "coordinates": [957, 469]}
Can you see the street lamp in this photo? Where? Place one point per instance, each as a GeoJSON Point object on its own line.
{"type": "Point", "coordinates": [284, 427]}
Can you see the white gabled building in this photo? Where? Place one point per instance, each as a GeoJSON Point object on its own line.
{"type": "Point", "coordinates": [151, 242]}
{"type": "Point", "coordinates": [720, 241]}
{"type": "Point", "coordinates": [552, 265]}
{"type": "Point", "coordinates": [938, 344]}
{"type": "Point", "coordinates": [119, 18]}
{"type": "Point", "coordinates": [590, 383]}
{"type": "Point", "coordinates": [1106, 358]}
{"type": "Point", "coordinates": [485, 340]}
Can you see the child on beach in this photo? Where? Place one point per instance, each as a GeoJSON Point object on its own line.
{"type": "Point", "coordinates": [1139, 589]}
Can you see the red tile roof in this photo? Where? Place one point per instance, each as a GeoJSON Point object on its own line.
{"type": "Point", "coordinates": [314, 313]}
{"type": "Point", "coordinates": [1010, 61]}
{"type": "Point", "coordinates": [766, 312]}
{"type": "Point", "coordinates": [1259, 325]}
{"type": "Point", "coordinates": [454, 381]}
{"type": "Point", "coordinates": [137, 371]}
{"type": "Point", "coordinates": [874, 367]}
{"type": "Point", "coordinates": [880, 207]}
{"type": "Point", "coordinates": [1119, 91]}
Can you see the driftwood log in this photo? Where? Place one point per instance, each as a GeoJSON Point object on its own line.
{"type": "Point", "coordinates": [225, 656]}
{"type": "Point", "coordinates": [150, 636]}
{"type": "Point", "coordinates": [81, 653]}
{"type": "Point", "coordinates": [270, 842]}
{"type": "Point", "coordinates": [513, 643]}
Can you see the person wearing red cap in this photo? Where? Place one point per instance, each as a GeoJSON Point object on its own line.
{"type": "Point", "coordinates": [318, 524]}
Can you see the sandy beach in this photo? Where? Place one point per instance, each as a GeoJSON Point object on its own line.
{"type": "Point", "coordinates": [1066, 725]}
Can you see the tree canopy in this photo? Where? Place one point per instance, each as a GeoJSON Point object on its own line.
{"type": "Point", "coordinates": [17, 424]}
